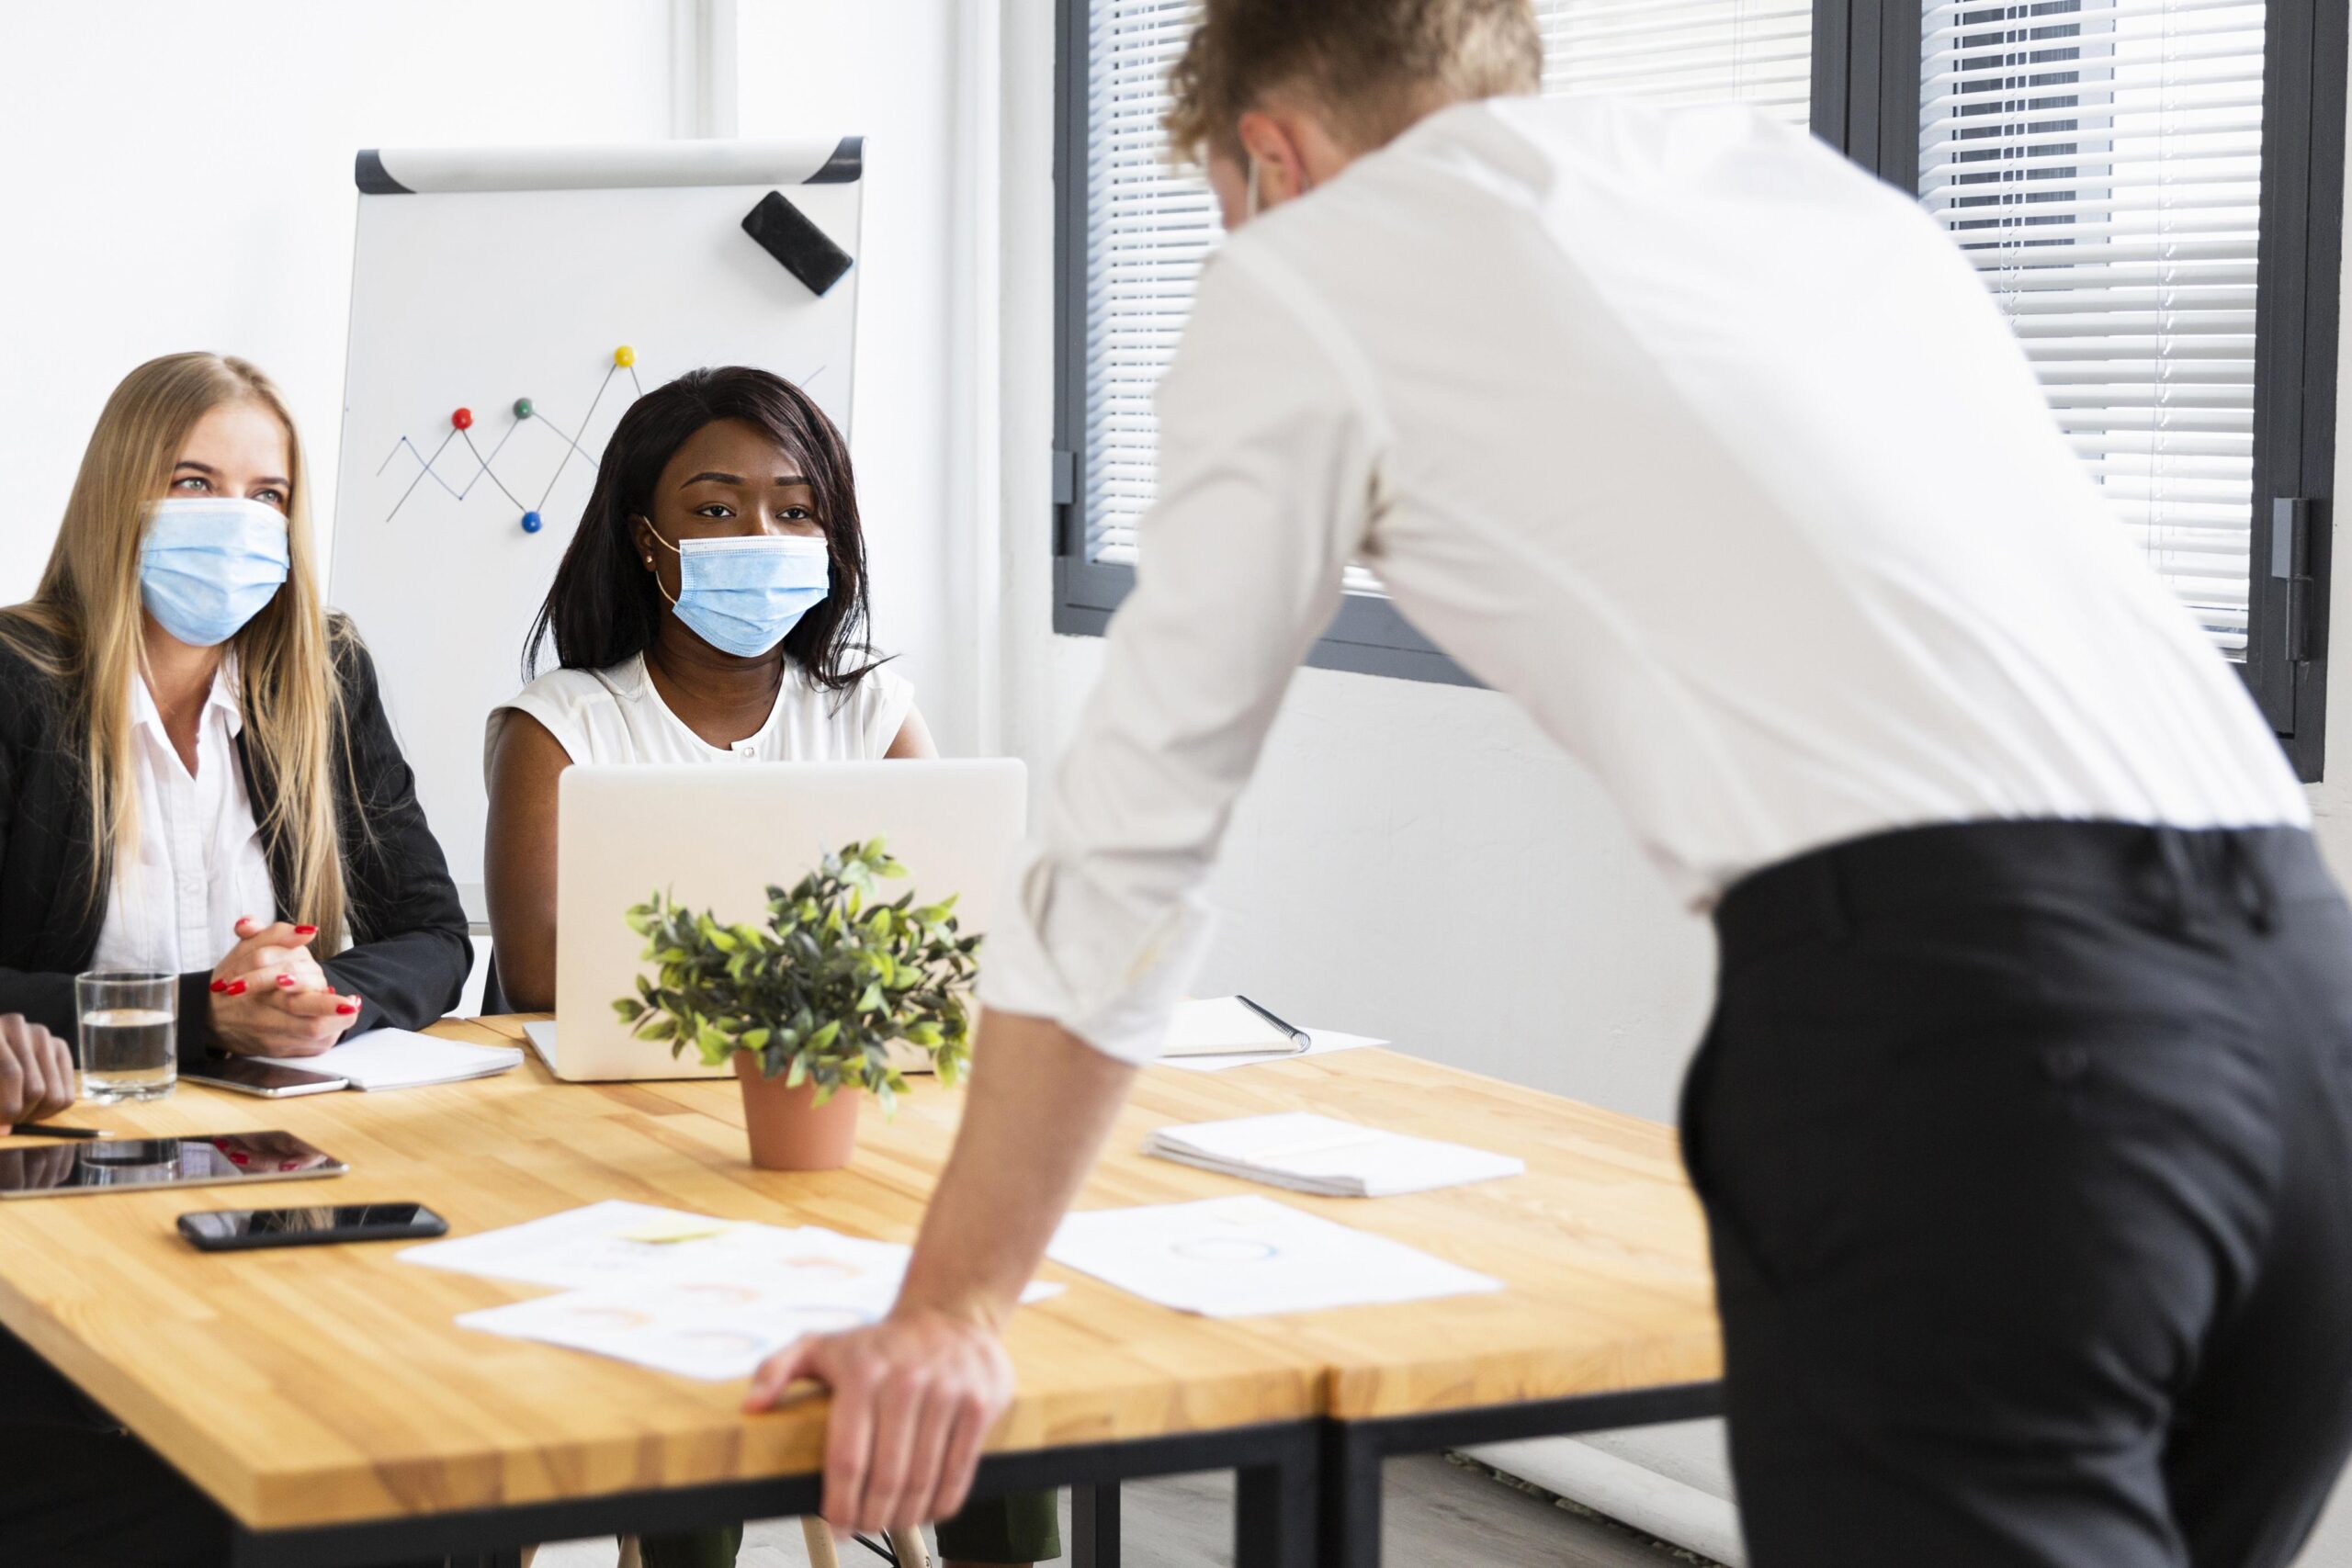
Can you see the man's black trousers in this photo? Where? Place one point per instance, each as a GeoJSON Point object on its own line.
{"type": "Point", "coordinates": [2027, 1155]}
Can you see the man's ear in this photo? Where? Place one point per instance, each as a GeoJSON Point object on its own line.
{"type": "Point", "coordinates": [1281, 166]}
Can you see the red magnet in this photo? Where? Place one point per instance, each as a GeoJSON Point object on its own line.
{"type": "Point", "coordinates": [463, 418]}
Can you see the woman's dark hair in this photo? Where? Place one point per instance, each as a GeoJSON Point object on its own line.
{"type": "Point", "coordinates": [604, 606]}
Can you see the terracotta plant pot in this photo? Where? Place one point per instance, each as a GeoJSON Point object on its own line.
{"type": "Point", "coordinates": [789, 1130]}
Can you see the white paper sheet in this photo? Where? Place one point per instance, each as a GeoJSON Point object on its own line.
{"type": "Point", "coordinates": [1324, 1041]}
{"type": "Point", "coordinates": [1322, 1154]}
{"type": "Point", "coordinates": [711, 1330]}
{"type": "Point", "coordinates": [1247, 1256]}
{"type": "Point", "coordinates": [682, 1292]}
{"type": "Point", "coordinates": [398, 1058]}
{"type": "Point", "coordinates": [583, 1247]}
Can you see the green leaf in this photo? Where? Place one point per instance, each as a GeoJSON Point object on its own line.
{"type": "Point", "coordinates": [798, 1073]}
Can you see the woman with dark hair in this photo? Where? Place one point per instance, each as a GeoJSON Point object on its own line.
{"type": "Point", "coordinates": [711, 608]}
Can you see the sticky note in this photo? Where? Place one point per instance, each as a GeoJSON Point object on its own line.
{"type": "Point", "coordinates": [686, 1227]}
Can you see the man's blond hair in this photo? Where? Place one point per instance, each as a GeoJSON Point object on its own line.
{"type": "Point", "coordinates": [1371, 68]}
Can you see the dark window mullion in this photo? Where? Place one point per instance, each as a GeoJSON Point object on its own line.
{"type": "Point", "coordinates": [2297, 283]}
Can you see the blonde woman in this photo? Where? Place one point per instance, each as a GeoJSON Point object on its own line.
{"type": "Point", "coordinates": [197, 776]}
{"type": "Point", "coordinates": [200, 777]}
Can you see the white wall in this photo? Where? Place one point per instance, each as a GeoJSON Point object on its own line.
{"type": "Point", "coordinates": [178, 177]}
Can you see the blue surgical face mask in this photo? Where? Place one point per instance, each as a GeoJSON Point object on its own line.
{"type": "Point", "coordinates": [209, 563]}
{"type": "Point", "coordinates": [744, 596]}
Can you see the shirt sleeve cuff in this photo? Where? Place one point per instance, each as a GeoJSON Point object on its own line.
{"type": "Point", "coordinates": [1114, 991]}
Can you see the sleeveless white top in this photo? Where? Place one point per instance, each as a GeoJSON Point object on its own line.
{"type": "Point", "coordinates": [616, 715]}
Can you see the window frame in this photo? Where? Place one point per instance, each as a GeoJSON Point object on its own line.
{"type": "Point", "coordinates": [1865, 103]}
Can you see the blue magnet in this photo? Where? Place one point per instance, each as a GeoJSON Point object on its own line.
{"type": "Point", "coordinates": [530, 522]}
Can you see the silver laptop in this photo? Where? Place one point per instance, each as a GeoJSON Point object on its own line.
{"type": "Point", "coordinates": [717, 838]}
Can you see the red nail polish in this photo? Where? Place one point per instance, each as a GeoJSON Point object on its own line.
{"type": "Point", "coordinates": [285, 1165]}
{"type": "Point", "coordinates": [218, 987]}
{"type": "Point", "coordinates": [286, 982]}
{"type": "Point", "coordinates": [345, 1009]}
{"type": "Point", "coordinates": [306, 931]}
{"type": "Point", "coordinates": [236, 1158]}
{"type": "Point", "coordinates": [236, 988]}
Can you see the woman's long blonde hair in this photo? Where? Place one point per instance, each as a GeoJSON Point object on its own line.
{"type": "Point", "coordinates": [83, 627]}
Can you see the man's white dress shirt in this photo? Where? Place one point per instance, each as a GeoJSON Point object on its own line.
{"type": "Point", "coordinates": [199, 865]}
{"type": "Point", "coordinates": [1706, 447]}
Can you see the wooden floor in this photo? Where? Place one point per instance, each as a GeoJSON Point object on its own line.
{"type": "Point", "coordinates": [1438, 1512]}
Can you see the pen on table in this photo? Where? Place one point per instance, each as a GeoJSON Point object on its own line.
{"type": "Point", "coordinates": [49, 1130]}
{"type": "Point", "coordinates": [1299, 1038]}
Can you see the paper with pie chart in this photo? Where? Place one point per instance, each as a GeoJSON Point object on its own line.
{"type": "Point", "coordinates": [1250, 1256]}
{"type": "Point", "coordinates": [712, 1329]}
{"type": "Point", "coordinates": [689, 1293]}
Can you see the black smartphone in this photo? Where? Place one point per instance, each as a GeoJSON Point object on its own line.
{"type": "Point", "coordinates": [252, 1075]}
{"type": "Point", "coordinates": [232, 1230]}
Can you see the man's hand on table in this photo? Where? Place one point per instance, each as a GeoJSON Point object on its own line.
{"type": "Point", "coordinates": [36, 1072]}
{"type": "Point", "coordinates": [913, 1399]}
{"type": "Point", "coordinates": [915, 1395]}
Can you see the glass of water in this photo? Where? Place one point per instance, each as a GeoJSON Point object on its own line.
{"type": "Point", "coordinates": [127, 1027]}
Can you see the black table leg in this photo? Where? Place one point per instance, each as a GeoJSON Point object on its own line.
{"type": "Point", "coordinates": [1274, 1509]}
{"type": "Point", "coordinates": [1095, 1526]}
{"type": "Point", "coordinates": [1349, 1492]}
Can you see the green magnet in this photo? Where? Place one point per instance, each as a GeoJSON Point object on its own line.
{"type": "Point", "coordinates": [522, 408]}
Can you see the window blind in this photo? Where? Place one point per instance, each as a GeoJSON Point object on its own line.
{"type": "Point", "coordinates": [1150, 225]}
{"type": "Point", "coordinates": [2100, 161]}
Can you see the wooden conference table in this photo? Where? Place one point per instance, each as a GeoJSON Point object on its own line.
{"type": "Point", "coordinates": [326, 1401]}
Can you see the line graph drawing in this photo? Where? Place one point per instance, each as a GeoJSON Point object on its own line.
{"type": "Point", "coordinates": [526, 412]}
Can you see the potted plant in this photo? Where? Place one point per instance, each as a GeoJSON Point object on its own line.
{"type": "Point", "coordinates": [810, 1006]}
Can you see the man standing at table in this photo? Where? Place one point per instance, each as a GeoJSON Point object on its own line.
{"type": "Point", "coordinates": [2022, 1121]}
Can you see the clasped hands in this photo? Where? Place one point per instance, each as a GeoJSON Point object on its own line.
{"type": "Point", "coordinates": [271, 998]}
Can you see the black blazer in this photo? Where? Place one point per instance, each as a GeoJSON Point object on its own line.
{"type": "Point", "coordinates": [409, 955]}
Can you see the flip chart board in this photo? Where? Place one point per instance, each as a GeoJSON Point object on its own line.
{"type": "Point", "coordinates": [507, 305]}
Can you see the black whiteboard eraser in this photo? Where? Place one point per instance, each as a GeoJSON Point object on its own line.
{"type": "Point", "coordinates": [786, 233]}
